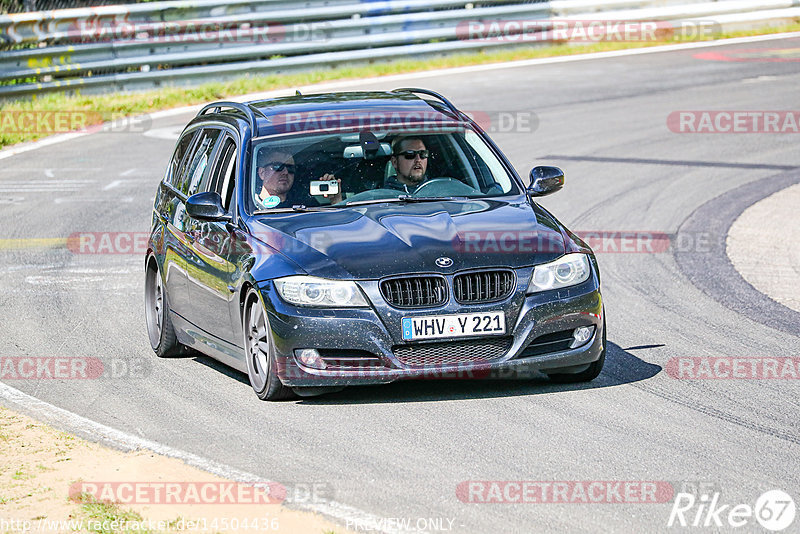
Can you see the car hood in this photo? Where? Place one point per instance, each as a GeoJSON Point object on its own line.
{"type": "Point", "coordinates": [377, 240]}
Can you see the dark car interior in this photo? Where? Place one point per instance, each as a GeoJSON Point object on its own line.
{"type": "Point", "coordinates": [362, 161]}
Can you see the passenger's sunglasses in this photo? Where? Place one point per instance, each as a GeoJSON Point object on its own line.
{"type": "Point", "coordinates": [278, 166]}
{"type": "Point", "coordinates": [411, 154]}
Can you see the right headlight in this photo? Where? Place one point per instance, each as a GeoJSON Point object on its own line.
{"type": "Point", "coordinates": [568, 270]}
{"type": "Point", "coordinates": [319, 292]}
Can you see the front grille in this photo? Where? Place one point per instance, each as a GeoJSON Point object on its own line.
{"type": "Point", "coordinates": [483, 286]}
{"type": "Point", "coordinates": [453, 352]}
{"type": "Point", "coordinates": [555, 342]}
{"type": "Point", "coordinates": [415, 291]}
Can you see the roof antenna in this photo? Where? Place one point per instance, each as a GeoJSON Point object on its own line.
{"type": "Point", "coordinates": [297, 92]}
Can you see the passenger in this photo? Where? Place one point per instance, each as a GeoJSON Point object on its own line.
{"type": "Point", "coordinates": [276, 170]}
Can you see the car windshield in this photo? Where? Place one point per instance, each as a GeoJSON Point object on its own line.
{"type": "Point", "coordinates": [335, 170]}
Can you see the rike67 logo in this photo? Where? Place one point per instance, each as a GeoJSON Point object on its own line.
{"type": "Point", "coordinates": [774, 510]}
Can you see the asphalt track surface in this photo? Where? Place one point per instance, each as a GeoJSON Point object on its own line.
{"type": "Point", "coordinates": [400, 451]}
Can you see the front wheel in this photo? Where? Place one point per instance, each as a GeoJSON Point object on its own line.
{"type": "Point", "coordinates": [159, 326]}
{"type": "Point", "coordinates": [260, 351]}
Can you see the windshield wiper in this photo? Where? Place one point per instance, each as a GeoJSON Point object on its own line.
{"type": "Point", "coordinates": [409, 198]}
{"type": "Point", "coordinates": [295, 208]}
{"type": "Point", "coordinates": [373, 201]}
{"type": "Point", "coordinates": [402, 198]}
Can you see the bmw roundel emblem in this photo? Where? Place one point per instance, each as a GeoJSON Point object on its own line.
{"type": "Point", "coordinates": [444, 262]}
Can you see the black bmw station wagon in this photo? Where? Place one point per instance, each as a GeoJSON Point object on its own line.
{"type": "Point", "coordinates": [320, 241]}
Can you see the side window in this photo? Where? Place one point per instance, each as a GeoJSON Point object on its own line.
{"type": "Point", "coordinates": [189, 181]}
{"type": "Point", "coordinates": [175, 165]}
{"type": "Point", "coordinates": [222, 177]}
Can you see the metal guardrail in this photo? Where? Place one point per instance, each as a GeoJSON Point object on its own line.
{"type": "Point", "coordinates": [47, 25]}
{"type": "Point", "coordinates": [23, 6]}
{"type": "Point", "coordinates": [278, 36]}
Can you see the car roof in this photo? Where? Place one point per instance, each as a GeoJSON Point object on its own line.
{"type": "Point", "coordinates": [344, 111]}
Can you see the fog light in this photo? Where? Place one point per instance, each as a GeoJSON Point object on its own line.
{"type": "Point", "coordinates": [310, 358]}
{"type": "Point", "coordinates": [581, 335]}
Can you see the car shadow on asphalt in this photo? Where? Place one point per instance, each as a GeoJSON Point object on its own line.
{"type": "Point", "coordinates": [621, 367]}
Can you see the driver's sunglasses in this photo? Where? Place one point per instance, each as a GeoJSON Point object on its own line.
{"type": "Point", "coordinates": [411, 154]}
{"type": "Point", "coordinates": [278, 166]}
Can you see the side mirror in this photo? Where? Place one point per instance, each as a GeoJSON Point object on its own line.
{"type": "Point", "coordinates": [206, 207]}
{"type": "Point", "coordinates": [545, 180]}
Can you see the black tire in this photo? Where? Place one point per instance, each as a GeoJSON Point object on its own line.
{"type": "Point", "coordinates": [159, 326]}
{"type": "Point", "coordinates": [592, 372]}
{"type": "Point", "coordinates": [260, 351]}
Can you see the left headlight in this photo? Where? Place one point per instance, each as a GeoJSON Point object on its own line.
{"type": "Point", "coordinates": [312, 291]}
{"type": "Point", "coordinates": [566, 271]}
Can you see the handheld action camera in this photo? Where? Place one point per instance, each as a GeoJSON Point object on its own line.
{"type": "Point", "coordinates": [324, 187]}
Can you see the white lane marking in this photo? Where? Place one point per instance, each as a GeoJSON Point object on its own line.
{"type": "Point", "coordinates": [117, 183]}
{"type": "Point", "coordinates": [49, 267]}
{"type": "Point", "coordinates": [43, 185]}
{"type": "Point", "coordinates": [72, 422]}
{"type": "Point", "coordinates": [759, 79]}
{"type": "Point", "coordinates": [128, 172]}
{"type": "Point", "coordinates": [36, 191]}
{"type": "Point", "coordinates": [48, 187]}
{"type": "Point", "coordinates": [169, 133]}
{"type": "Point", "coordinates": [72, 281]}
{"type": "Point", "coordinates": [37, 169]}
{"type": "Point", "coordinates": [49, 173]}
{"type": "Point", "coordinates": [59, 138]}
{"type": "Point", "coordinates": [63, 200]}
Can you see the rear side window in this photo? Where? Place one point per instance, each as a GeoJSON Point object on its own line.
{"type": "Point", "coordinates": [176, 165]}
{"type": "Point", "coordinates": [193, 171]}
{"type": "Point", "coordinates": [222, 177]}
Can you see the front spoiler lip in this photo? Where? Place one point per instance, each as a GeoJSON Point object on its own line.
{"type": "Point", "coordinates": [295, 375]}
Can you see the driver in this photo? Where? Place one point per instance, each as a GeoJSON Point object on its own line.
{"type": "Point", "coordinates": [410, 160]}
{"type": "Point", "coordinates": [276, 170]}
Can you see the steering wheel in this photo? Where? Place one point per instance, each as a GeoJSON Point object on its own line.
{"type": "Point", "coordinates": [449, 186]}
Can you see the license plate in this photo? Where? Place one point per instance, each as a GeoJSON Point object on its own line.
{"type": "Point", "coordinates": [459, 325]}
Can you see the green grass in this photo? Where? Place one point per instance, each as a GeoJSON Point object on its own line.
{"type": "Point", "coordinates": [116, 105]}
{"type": "Point", "coordinates": [100, 512]}
{"type": "Point", "coordinates": [19, 474]}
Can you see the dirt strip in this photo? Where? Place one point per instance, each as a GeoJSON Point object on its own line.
{"type": "Point", "coordinates": [53, 482]}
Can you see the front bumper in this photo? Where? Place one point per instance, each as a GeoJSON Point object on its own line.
{"type": "Point", "coordinates": [364, 331]}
